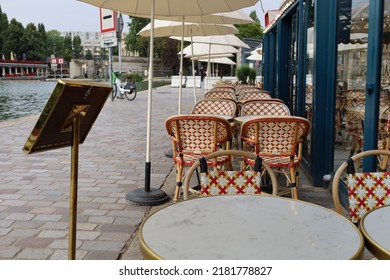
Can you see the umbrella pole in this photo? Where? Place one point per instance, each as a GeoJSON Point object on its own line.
{"type": "Point", "coordinates": [208, 70]}
{"type": "Point", "coordinates": [148, 196]}
{"type": "Point", "coordinates": [193, 69]}
{"type": "Point", "coordinates": [181, 66]}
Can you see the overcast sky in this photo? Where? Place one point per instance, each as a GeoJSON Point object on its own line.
{"type": "Point", "coordinates": [72, 15]}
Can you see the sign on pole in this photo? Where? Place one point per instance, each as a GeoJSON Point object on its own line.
{"type": "Point", "coordinates": [108, 26]}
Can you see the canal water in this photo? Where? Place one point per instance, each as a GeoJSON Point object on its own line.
{"type": "Point", "coordinates": [23, 98]}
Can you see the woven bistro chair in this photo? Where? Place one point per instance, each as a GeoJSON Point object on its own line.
{"type": "Point", "coordinates": [224, 94]}
{"type": "Point", "coordinates": [194, 136]}
{"type": "Point", "coordinates": [278, 141]}
{"type": "Point", "coordinates": [253, 94]}
{"type": "Point", "coordinates": [229, 181]}
{"type": "Point", "coordinates": [365, 189]}
{"type": "Point", "coordinates": [219, 107]}
{"type": "Point", "coordinates": [215, 106]}
{"type": "Point", "coordinates": [265, 107]}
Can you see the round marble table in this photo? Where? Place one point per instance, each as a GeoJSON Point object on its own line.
{"type": "Point", "coordinates": [375, 226]}
{"type": "Point", "coordinates": [242, 119]}
{"type": "Point", "coordinates": [248, 227]}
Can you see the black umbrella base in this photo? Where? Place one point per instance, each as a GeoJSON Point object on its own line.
{"type": "Point", "coordinates": [169, 153]}
{"type": "Point", "coordinates": [144, 198]}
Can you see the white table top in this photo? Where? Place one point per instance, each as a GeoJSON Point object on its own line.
{"type": "Point", "coordinates": [375, 227]}
{"type": "Point", "coordinates": [242, 119]}
{"type": "Point", "coordinates": [248, 227]}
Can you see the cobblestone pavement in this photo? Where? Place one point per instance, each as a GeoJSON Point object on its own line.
{"type": "Point", "coordinates": [34, 189]}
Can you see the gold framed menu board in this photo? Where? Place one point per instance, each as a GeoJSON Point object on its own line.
{"type": "Point", "coordinates": [54, 127]}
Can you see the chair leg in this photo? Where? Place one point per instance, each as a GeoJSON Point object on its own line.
{"type": "Point", "coordinates": [179, 179]}
{"type": "Point", "coordinates": [293, 184]}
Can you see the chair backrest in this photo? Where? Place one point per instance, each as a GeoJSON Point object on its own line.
{"type": "Point", "coordinates": [274, 136]}
{"type": "Point", "coordinates": [253, 94]}
{"type": "Point", "coordinates": [198, 134]}
{"type": "Point", "coordinates": [215, 106]}
{"type": "Point", "coordinates": [224, 88]}
{"type": "Point", "coordinates": [225, 94]}
{"type": "Point", "coordinates": [240, 182]}
{"type": "Point", "coordinates": [366, 190]}
{"type": "Point", "coordinates": [265, 107]}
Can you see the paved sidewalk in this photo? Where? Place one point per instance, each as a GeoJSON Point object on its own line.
{"type": "Point", "coordinates": [34, 189]}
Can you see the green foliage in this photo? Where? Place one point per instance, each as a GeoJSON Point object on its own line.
{"type": "Point", "coordinates": [253, 30]}
{"type": "Point", "coordinates": [33, 46]}
{"type": "Point", "coordinates": [55, 43]}
{"type": "Point", "coordinates": [3, 28]}
{"type": "Point", "coordinates": [13, 37]}
{"type": "Point", "coordinates": [246, 74]}
{"type": "Point", "coordinates": [88, 54]}
{"type": "Point", "coordinates": [134, 77]}
{"type": "Point", "coordinates": [68, 52]}
{"type": "Point", "coordinates": [252, 76]}
{"type": "Point", "coordinates": [134, 42]}
{"type": "Point", "coordinates": [77, 47]}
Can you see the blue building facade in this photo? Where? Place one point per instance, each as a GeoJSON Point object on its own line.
{"type": "Point", "coordinates": [329, 60]}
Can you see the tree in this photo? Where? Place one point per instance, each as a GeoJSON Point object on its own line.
{"type": "Point", "coordinates": [88, 54]}
{"type": "Point", "coordinates": [3, 29]}
{"type": "Point", "coordinates": [77, 47]}
{"type": "Point", "coordinates": [68, 48]}
{"type": "Point", "coordinates": [134, 42]}
{"type": "Point", "coordinates": [33, 47]}
{"type": "Point", "coordinates": [55, 43]}
{"type": "Point", "coordinates": [13, 37]}
{"type": "Point", "coordinates": [252, 30]}
{"type": "Point", "coordinates": [43, 36]}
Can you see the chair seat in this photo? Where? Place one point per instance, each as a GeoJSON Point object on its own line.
{"type": "Point", "coordinates": [282, 161]}
{"type": "Point", "coordinates": [190, 159]}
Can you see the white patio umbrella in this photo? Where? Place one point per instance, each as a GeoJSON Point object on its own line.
{"type": "Point", "coordinates": [230, 40]}
{"type": "Point", "coordinates": [165, 28]}
{"type": "Point", "coordinates": [200, 49]}
{"type": "Point", "coordinates": [255, 55]}
{"type": "Point", "coordinates": [151, 8]}
{"type": "Point", "coordinates": [220, 60]}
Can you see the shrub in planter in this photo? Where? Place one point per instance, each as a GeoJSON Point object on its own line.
{"type": "Point", "coordinates": [242, 73]}
{"type": "Point", "coordinates": [252, 76]}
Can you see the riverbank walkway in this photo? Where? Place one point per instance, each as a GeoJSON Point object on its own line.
{"type": "Point", "coordinates": [34, 189]}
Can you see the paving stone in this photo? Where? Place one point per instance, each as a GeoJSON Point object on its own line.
{"type": "Point", "coordinates": [34, 254]}
{"type": "Point", "coordinates": [20, 216]}
{"type": "Point", "coordinates": [33, 242]}
{"type": "Point", "coordinates": [53, 233]}
{"type": "Point", "coordinates": [102, 255]}
{"type": "Point", "coordinates": [8, 252]}
{"type": "Point", "coordinates": [102, 246]}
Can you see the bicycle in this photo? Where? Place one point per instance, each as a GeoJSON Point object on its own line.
{"type": "Point", "coordinates": [126, 88]}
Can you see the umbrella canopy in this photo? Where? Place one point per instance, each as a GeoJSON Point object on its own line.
{"type": "Point", "coordinates": [200, 49]}
{"type": "Point", "coordinates": [235, 17]}
{"type": "Point", "coordinates": [221, 60]}
{"type": "Point", "coordinates": [166, 28]}
{"type": "Point", "coordinates": [229, 40]}
{"type": "Point", "coordinates": [151, 8]}
{"type": "Point", "coordinates": [255, 55]}
{"type": "Point", "coordinates": [211, 56]}
{"type": "Point", "coordinates": [169, 8]}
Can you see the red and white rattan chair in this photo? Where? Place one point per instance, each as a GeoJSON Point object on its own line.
{"type": "Point", "coordinates": [253, 94]}
{"type": "Point", "coordinates": [230, 181]}
{"type": "Point", "coordinates": [265, 107]}
{"type": "Point", "coordinates": [366, 189]}
{"type": "Point", "coordinates": [215, 106]}
{"type": "Point", "coordinates": [278, 141]}
{"type": "Point", "coordinates": [194, 136]}
{"type": "Point", "coordinates": [222, 94]}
